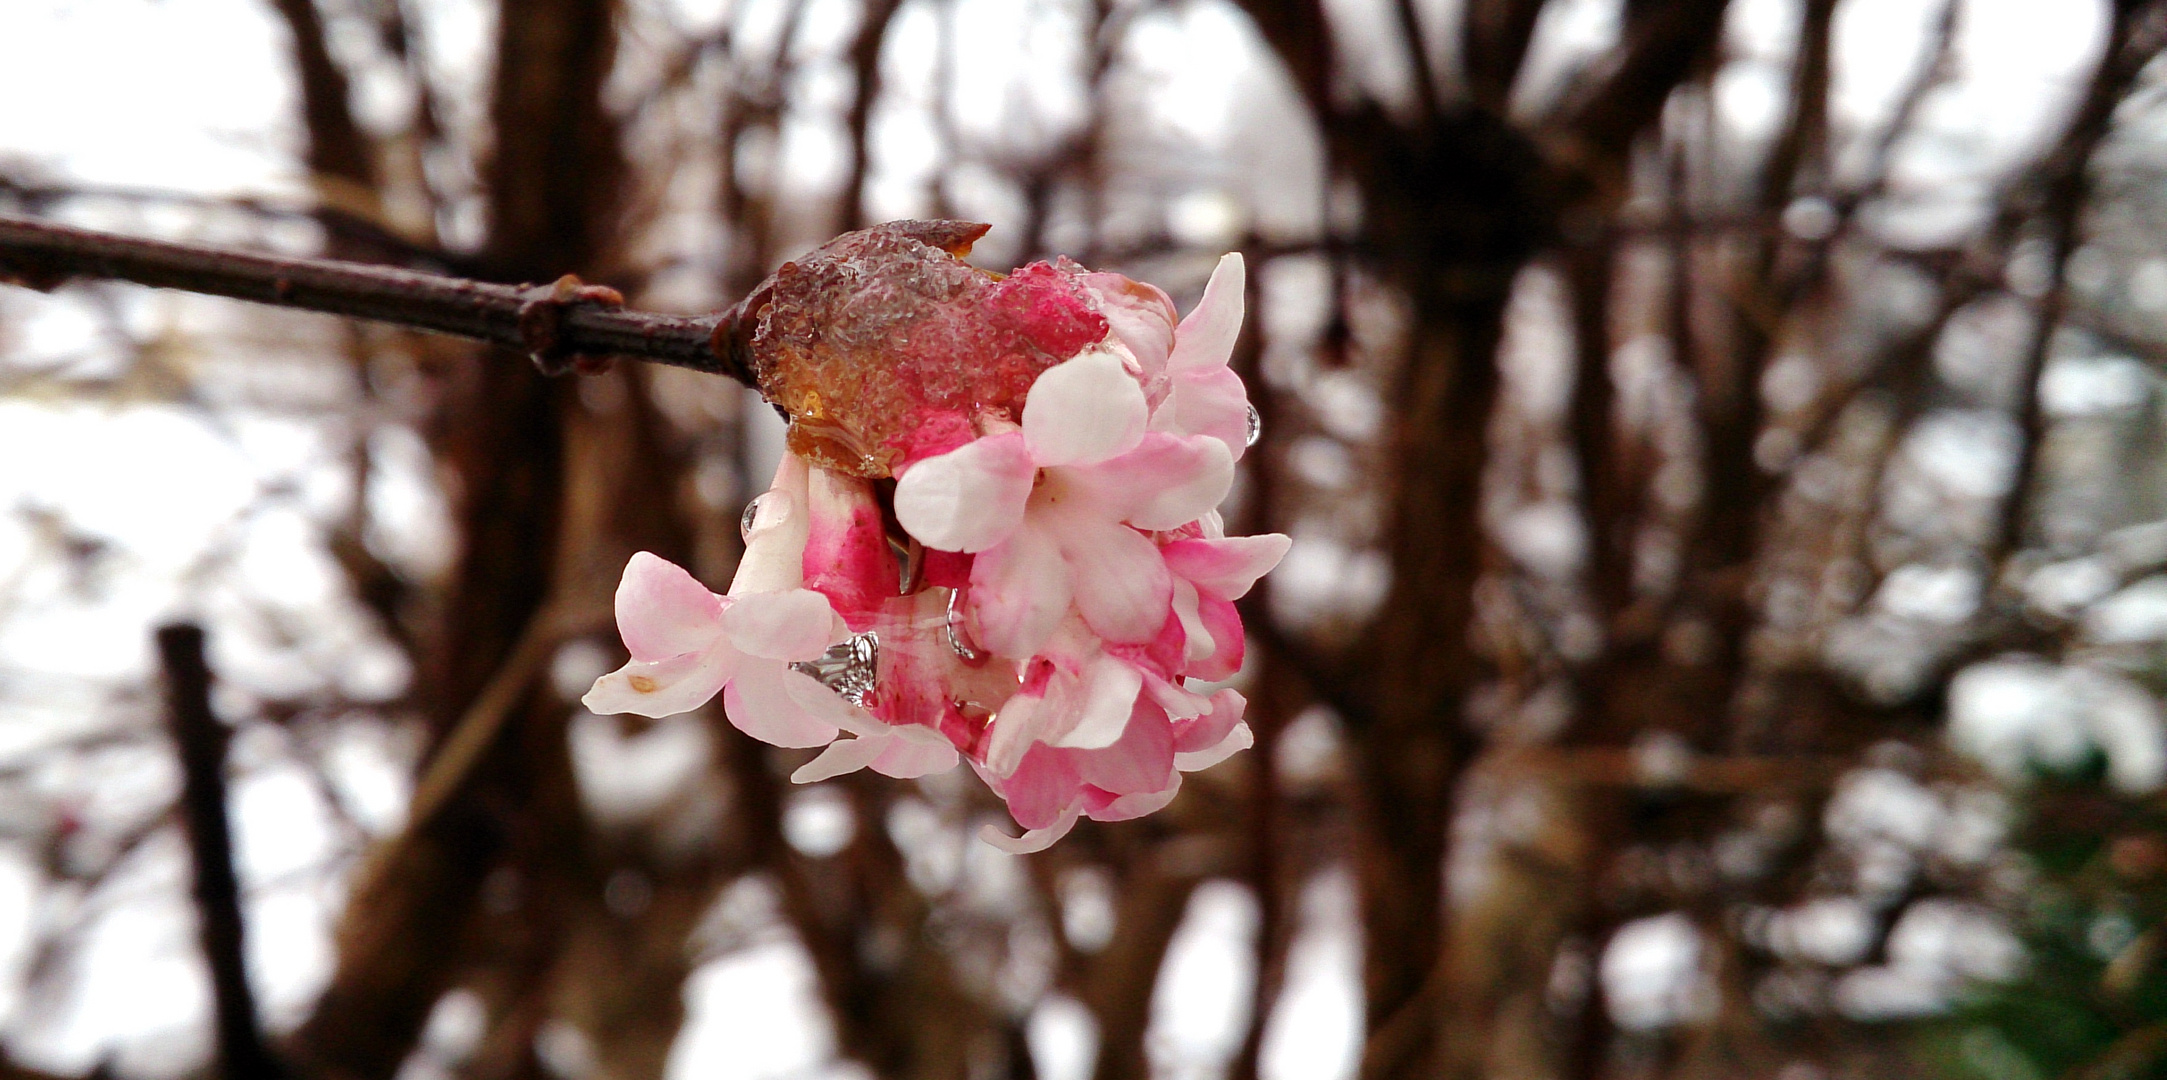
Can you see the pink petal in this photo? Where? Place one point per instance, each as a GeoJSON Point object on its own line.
{"type": "Point", "coordinates": [1140, 315]}
{"type": "Point", "coordinates": [847, 557]}
{"type": "Point", "coordinates": [1209, 729]}
{"type": "Point", "coordinates": [662, 611]}
{"type": "Point", "coordinates": [662, 687]}
{"type": "Point", "coordinates": [1126, 807]}
{"type": "Point", "coordinates": [1236, 741]}
{"type": "Point", "coordinates": [1019, 593]}
{"type": "Point", "coordinates": [1045, 709]}
{"type": "Point", "coordinates": [1141, 760]}
{"type": "Point", "coordinates": [1178, 703]}
{"type": "Point", "coordinates": [1120, 583]}
{"type": "Point", "coordinates": [1012, 733]}
{"type": "Point", "coordinates": [796, 624]}
{"type": "Point", "coordinates": [1084, 410]}
{"type": "Point", "coordinates": [1225, 624]}
{"type": "Point", "coordinates": [1166, 482]}
{"type": "Point", "coordinates": [1196, 640]}
{"type": "Point", "coordinates": [1229, 567]}
{"type": "Point", "coordinates": [1108, 699]}
{"type": "Point", "coordinates": [774, 556]}
{"type": "Point", "coordinates": [1036, 840]}
{"type": "Point", "coordinates": [1206, 337]}
{"type": "Point", "coordinates": [1211, 402]}
{"type": "Point", "coordinates": [842, 756]}
{"type": "Point", "coordinates": [969, 498]}
{"type": "Point", "coordinates": [759, 705]}
{"type": "Point", "coordinates": [1042, 788]}
{"type": "Point", "coordinates": [914, 751]}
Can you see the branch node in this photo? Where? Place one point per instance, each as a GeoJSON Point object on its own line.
{"type": "Point", "coordinates": [541, 324]}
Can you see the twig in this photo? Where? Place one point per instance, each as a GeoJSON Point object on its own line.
{"type": "Point", "coordinates": [201, 740]}
{"type": "Point", "coordinates": [2138, 34]}
{"type": "Point", "coordinates": [556, 324]}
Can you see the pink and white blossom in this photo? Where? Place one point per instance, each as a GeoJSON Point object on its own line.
{"type": "Point", "coordinates": [1052, 786]}
{"type": "Point", "coordinates": [687, 643]}
{"type": "Point", "coordinates": [1053, 510]}
{"type": "Point", "coordinates": [1061, 585]}
{"type": "Point", "coordinates": [1203, 395]}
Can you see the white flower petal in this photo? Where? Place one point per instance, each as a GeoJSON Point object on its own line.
{"type": "Point", "coordinates": [663, 687]}
{"type": "Point", "coordinates": [1019, 593]}
{"type": "Point", "coordinates": [1109, 699]}
{"type": "Point", "coordinates": [795, 624]}
{"type": "Point", "coordinates": [774, 557]}
{"type": "Point", "coordinates": [969, 498]}
{"type": "Point", "coordinates": [817, 700]}
{"type": "Point", "coordinates": [841, 756]}
{"type": "Point", "coordinates": [1036, 839]}
{"type": "Point", "coordinates": [1206, 337]}
{"type": "Point", "coordinates": [662, 611]}
{"type": "Point", "coordinates": [760, 706]}
{"type": "Point", "coordinates": [1083, 410]}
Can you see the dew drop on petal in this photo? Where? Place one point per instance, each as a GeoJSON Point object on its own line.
{"type": "Point", "coordinates": [1256, 427]}
{"type": "Point", "coordinates": [776, 512]}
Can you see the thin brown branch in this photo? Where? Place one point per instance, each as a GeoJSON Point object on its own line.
{"type": "Point", "coordinates": [340, 153]}
{"type": "Point", "coordinates": [2138, 33]}
{"type": "Point", "coordinates": [554, 324]}
{"type": "Point", "coordinates": [201, 741]}
{"type": "Point", "coordinates": [1494, 37]}
{"type": "Point", "coordinates": [355, 234]}
{"type": "Point", "coordinates": [1420, 69]}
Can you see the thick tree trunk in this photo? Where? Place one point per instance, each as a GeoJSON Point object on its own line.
{"type": "Point", "coordinates": [498, 432]}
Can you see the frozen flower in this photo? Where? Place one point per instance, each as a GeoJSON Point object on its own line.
{"type": "Point", "coordinates": [1053, 510]}
{"type": "Point", "coordinates": [688, 643]}
{"type": "Point", "coordinates": [1047, 579]}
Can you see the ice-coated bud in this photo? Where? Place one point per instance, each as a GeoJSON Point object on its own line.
{"type": "Point", "coordinates": [884, 346]}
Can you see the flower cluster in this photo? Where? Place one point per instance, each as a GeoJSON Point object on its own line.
{"type": "Point", "coordinates": [1044, 585]}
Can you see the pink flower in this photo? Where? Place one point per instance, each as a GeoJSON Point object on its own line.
{"type": "Point", "coordinates": [1203, 395]}
{"type": "Point", "coordinates": [1210, 573]}
{"type": "Point", "coordinates": [1053, 510]}
{"type": "Point", "coordinates": [903, 751]}
{"type": "Point", "coordinates": [1052, 787]}
{"type": "Point", "coordinates": [688, 643]}
{"type": "Point", "coordinates": [1049, 577]}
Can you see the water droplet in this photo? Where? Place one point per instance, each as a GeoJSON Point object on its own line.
{"type": "Point", "coordinates": [761, 513]}
{"type": "Point", "coordinates": [848, 668]}
{"type": "Point", "coordinates": [959, 635]}
{"type": "Point", "coordinates": [752, 513]}
{"type": "Point", "coordinates": [1256, 427]}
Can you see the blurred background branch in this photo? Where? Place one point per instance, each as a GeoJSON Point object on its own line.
{"type": "Point", "coordinates": [1725, 633]}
